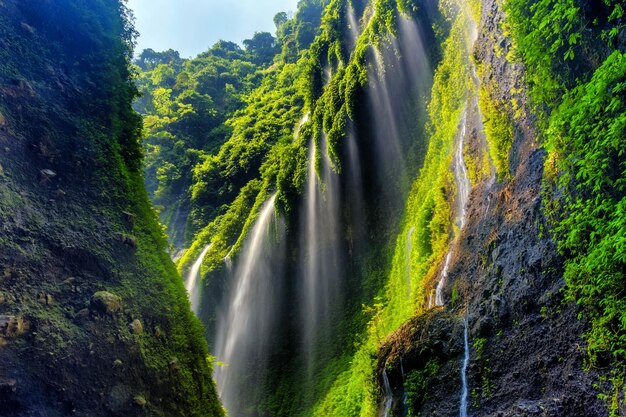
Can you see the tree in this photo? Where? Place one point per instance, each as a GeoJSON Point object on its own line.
{"type": "Point", "coordinates": [279, 20]}
{"type": "Point", "coordinates": [262, 47]}
{"type": "Point", "coordinates": [149, 58]}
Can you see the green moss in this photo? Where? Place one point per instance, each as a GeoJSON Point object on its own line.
{"type": "Point", "coordinates": [498, 129]}
{"type": "Point", "coordinates": [416, 385]}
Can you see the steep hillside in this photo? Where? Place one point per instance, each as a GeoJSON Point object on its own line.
{"type": "Point", "coordinates": [94, 319]}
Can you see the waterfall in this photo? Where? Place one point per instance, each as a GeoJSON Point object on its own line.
{"type": "Point", "coordinates": [321, 267]}
{"type": "Point", "coordinates": [388, 139]}
{"type": "Point", "coordinates": [466, 358]}
{"type": "Point", "coordinates": [400, 77]}
{"type": "Point", "coordinates": [460, 174]}
{"type": "Point", "coordinates": [463, 191]}
{"type": "Point", "coordinates": [245, 331]}
{"type": "Point", "coordinates": [301, 123]}
{"type": "Point", "coordinates": [353, 25]}
{"type": "Point", "coordinates": [387, 394]}
{"type": "Point", "coordinates": [407, 259]}
{"type": "Point", "coordinates": [356, 233]}
{"type": "Point", "coordinates": [192, 281]}
{"type": "Point", "coordinates": [439, 301]}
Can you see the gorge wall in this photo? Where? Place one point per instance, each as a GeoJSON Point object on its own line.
{"type": "Point", "coordinates": [94, 319]}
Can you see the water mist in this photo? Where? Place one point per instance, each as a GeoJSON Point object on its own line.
{"type": "Point", "coordinates": [245, 332]}
{"type": "Point", "coordinates": [193, 284]}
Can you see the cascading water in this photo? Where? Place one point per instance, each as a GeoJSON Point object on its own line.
{"type": "Point", "coordinates": [191, 283]}
{"type": "Point", "coordinates": [387, 395]}
{"type": "Point", "coordinates": [321, 264]}
{"type": "Point", "coordinates": [439, 301]}
{"type": "Point", "coordinates": [460, 173]}
{"type": "Point", "coordinates": [356, 233]}
{"type": "Point", "coordinates": [463, 191]}
{"type": "Point", "coordinates": [399, 77]}
{"type": "Point", "coordinates": [245, 331]}
{"type": "Point", "coordinates": [466, 358]}
{"type": "Point", "coordinates": [353, 25]}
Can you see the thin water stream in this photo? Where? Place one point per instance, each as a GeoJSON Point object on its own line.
{"type": "Point", "coordinates": [466, 359]}
{"type": "Point", "coordinates": [387, 394]}
{"type": "Point", "coordinates": [192, 283]}
{"type": "Point", "coordinates": [463, 191]}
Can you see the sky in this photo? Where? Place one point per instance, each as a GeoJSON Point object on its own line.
{"type": "Point", "coordinates": [192, 26]}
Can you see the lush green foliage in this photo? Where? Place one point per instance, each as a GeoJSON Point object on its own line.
{"type": "Point", "coordinates": [573, 51]}
{"type": "Point", "coordinates": [561, 41]}
{"type": "Point", "coordinates": [186, 104]}
{"type": "Point", "coordinates": [587, 141]}
{"type": "Point", "coordinates": [416, 385]}
{"type": "Point", "coordinates": [498, 129]}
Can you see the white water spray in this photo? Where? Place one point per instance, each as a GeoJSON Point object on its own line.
{"type": "Point", "coordinates": [460, 173]}
{"type": "Point", "coordinates": [322, 270]}
{"type": "Point", "coordinates": [353, 25]}
{"type": "Point", "coordinates": [439, 301]}
{"type": "Point", "coordinates": [192, 281]}
{"type": "Point", "coordinates": [244, 332]}
{"type": "Point", "coordinates": [301, 123]}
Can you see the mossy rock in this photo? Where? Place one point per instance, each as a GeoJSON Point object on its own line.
{"type": "Point", "coordinates": [105, 302]}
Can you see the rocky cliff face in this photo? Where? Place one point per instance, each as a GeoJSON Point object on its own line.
{"type": "Point", "coordinates": [526, 357]}
{"type": "Point", "coordinates": [94, 319]}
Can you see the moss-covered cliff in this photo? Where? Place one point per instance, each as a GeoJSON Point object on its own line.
{"type": "Point", "coordinates": [94, 320]}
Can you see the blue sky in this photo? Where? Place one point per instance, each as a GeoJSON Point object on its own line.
{"type": "Point", "coordinates": [192, 26]}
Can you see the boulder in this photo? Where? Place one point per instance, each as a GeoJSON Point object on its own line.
{"type": "Point", "coordinates": [140, 400]}
{"type": "Point", "coordinates": [13, 326]}
{"type": "Point", "coordinates": [105, 302]}
{"type": "Point", "coordinates": [46, 175]}
{"type": "Point", "coordinates": [136, 327]}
